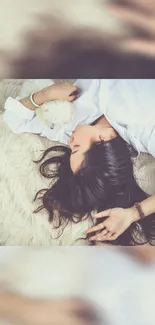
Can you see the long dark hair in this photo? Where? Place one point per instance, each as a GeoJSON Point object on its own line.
{"type": "Point", "coordinates": [104, 180]}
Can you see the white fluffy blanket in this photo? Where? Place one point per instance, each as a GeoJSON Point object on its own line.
{"type": "Point", "coordinates": [20, 180]}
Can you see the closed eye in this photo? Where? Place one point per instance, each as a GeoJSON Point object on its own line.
{"type": "Point", "coordinates": [76, 146]}
{"type": "Point", "coordinates": [74, 152]}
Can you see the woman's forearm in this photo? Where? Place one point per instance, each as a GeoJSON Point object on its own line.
{"type": "Point", "coordinates": [38, 97]}
{"type": "Point", "coordinates": [60, 91]}
{"type": "Point", "coordinates": [24, 311]}
{"type": "Point", "coordinates": [147, 206]}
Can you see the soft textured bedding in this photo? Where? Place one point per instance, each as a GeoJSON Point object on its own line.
{"type": "Point", "coordinates": [20, 180]}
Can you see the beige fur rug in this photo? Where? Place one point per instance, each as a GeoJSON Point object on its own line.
{"type": "Point", "coordinates": [20, 179]}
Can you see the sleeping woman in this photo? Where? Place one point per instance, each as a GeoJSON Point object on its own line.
{"type": "Point", "coordinates": [94, 172]}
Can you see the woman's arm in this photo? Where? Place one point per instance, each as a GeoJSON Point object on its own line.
{"type": "Point", "coordinates": [59, 91]}
{"type": "Point", "coordinates": [19, 115]}
{"type": "Point", "coordinates": [23, 311]}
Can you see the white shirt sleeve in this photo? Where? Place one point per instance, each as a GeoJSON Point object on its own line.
{"type": "Point", "coordinates": [146, 136]}
{"type": "Point", "coordinates": [151, 142]}
{"type": "Point", "coordinates": [19, 118]}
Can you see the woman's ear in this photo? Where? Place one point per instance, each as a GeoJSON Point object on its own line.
{"type": "Point", "coordinates": [101, 138]}
{"type": "Point", "coordinates": [106, 137]}
{"type": "Point", "coordinates": [108, 134]}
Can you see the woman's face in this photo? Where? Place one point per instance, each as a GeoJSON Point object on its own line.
{"type": "Point", "coordinates": [82, 139]}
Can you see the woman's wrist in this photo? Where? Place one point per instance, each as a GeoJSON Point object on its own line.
{"type": "Point", "coordinates": [38, 97]}
{"type": "Point", "coordinates": [133, 214]}
{"type": "Point", "coordinates": [147, 207]}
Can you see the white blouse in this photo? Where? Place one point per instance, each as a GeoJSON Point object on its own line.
{"type": "Point", "coordinates": [128, 104]}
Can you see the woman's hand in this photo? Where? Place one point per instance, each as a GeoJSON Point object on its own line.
{"type": "Point", "coordinates": [140, 16]}
{"type": "Point", "coordinates": [144, 254]}
{"type": "Point", "coordinates": [58, 312]}
{"type": "Point", "coordinates": [60, 91]}
{"type": "Point", "coordinates": [118, 221]}
{"type": "Point", "coordinates": [24, 311]}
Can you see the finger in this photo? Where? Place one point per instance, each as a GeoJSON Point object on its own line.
{"type": "Point", "coordinates": [102, 214]}
{"type": "Point", "coordinates": [134, 18]}
{"type": "Point", "coordinates": [69, 85]}
{"type": "Point", "coordinates": [95, 228]}
{"type": "Point", "coordinates": [98, 237]}
{"type": "Point", "coordinates": [108, 235]}
{"type": "Point", "coordinates": [74, 93]}
{"type": "Point", "coordinates": [112, 236]}
{"type": "Point", "coordinates": [139, 47]}
{"type": "Point", "coordinates": [73, 88]}
{"type": "Point", "coordinates": [105, 232]}
{"type": "Point", "coordinates": [71, 98]}
{"type": "Point", "coordinates": [94, 238]}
